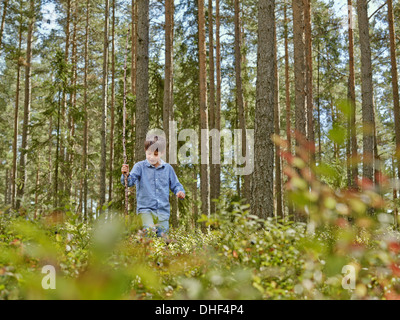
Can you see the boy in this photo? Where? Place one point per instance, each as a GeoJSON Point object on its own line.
{"type": "Point", "coordinates": [153, 178]}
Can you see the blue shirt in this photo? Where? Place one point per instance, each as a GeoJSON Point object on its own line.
{"type": "Point", "coordinates": [152, 186]}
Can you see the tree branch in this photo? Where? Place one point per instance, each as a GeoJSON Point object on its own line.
{"type": "Point", "coordinates": [377, 10]}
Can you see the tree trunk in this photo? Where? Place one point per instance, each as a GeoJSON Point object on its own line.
{"type": "Point", "coordinates": [309, 75]}
{"type": "Point", "coordinates": [262, 200]}
{"type": "Point", "coordinates": [287, 94]}
{"type": "Point", "coordinates": [217, 123]}
{"type": "Point", "coordinates": [103, 130]}
{"type": "Point", "coordinates": [61, 164]}
{"type": "Point", "coordinates": [3, 20]}
{"type": "Point", "coordinates": [27, 106]}
{"type": "Point", "coordinates": [6, 187]}
{"type": "Point", "coordinates": [133, 49]}
{"type": "Point", "coordinates": [85, 113]}
{"type": "Point", "coordinates": [299, 67]}
{"type": "Point", "coordinates": [352, 101]}
{"type": "Point", "coordinates": [15, 140]}
{"type": "Point", "coordinates": [194, 193]}
{"type": "Point", "coordinates": [142, 79]}
{"type": "Point", "coordinates": [133, 88]}
{"type": "Point", "coordinates": [213, 167]}
{"type": "Point", "coordinates": [50, 160]}
{"type": "Point", "coordinates": [204, 178]}
{"type": "Point", "coordinates": [167, 101]}
{"type": "Point", "coordinates": [239, 96]}
{"type": "Point", "coordinates": [37, 187]}
{"type": "Point", "coordinates": [110, 179]}
{"type": "Point", "coordinates": [278, 173]}
{"type": "Point", "coordinates": [71, 125]}
{"type": "Point", "coordinates": [168, 93]}
{"type": "Point", "coordinates": [395, 208]}
{"type": "Point", "coordinates": [367, 91]}
{"type": "Point", "coordinates": [57, 164]}
{"type": "Point", "coordinates": [395, 82]}
{"type": "Point", "coordinates": [299, 76]}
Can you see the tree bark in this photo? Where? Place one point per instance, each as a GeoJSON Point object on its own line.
{"type": "Point", "coordinates": [110, 179]}
{"type": "Point", "coordinates": [37, 187]}
{"type": "Point", "coordinates": [168, 93]}
{"type": "Point", "coordinates": [352, 100]}
{"type": "Point", "coordinates": [239, 95]}
{"type": "Point", "coordinates": [299, 67]}
{"type": "Point", "coordinates": [217, 123]}
{"type": "Point", "coordinates": [395, 208]}
{"type": "Point", "coordinates": [395, 82]}
{"type": "Point", "coordinates": [133, 88]}
{"type": "Point", "coordinates": [309, 73]}
{"type": "Point", "coordinates": [212, 107]}
{"type": "Point", "coordinates": [85, 112]}
{"type": "Point", "coordinates": [6, 187]}
{"type": "Point", "coordinates": [103, 129]}
{"type": "Point", "coordinates": [142, 79]}
{"type": "Point", "coordinates": [27, 106]}
{"type": "Point", "coordinates": [367, 91]}
{"type": "Point", "coordinates": [287, 93]}
{"type": "Point", "coordinates": [3, 20]}
{"type": "Point", "coordinates": [278, 172]}
{"type": "Point", "coordinates": [301, 123]}
{"type": "Point", "coordinates": [262, 200]}
{"type": "Point", "coordinates": [15, 140]}
{"type": "Point", "coordinates": [61, 164]}
{"type": "Point", "coordinates": [71, 124]}
{"type": "Point", "coordinates": [133, 49]}
{"type": "Point", "coordinates": [204, 178]}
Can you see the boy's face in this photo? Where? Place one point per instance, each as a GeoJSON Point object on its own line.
{"type": "Point", "coordinates": [153, 157]}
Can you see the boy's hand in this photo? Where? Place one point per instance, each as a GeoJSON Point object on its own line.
{"type": "Point", "coordinates": [125, 169]}
{"type": "Point", "coordinates": [180, 195]}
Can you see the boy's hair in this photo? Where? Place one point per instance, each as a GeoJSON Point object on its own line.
{"type": "Point", "coordinates": [155, 143]}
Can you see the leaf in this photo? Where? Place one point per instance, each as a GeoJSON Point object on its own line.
{"type": "Point", "coordinates": [337, 134]}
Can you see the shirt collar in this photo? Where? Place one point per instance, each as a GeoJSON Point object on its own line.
{"type": "Point", "coordinates": [150, 165]}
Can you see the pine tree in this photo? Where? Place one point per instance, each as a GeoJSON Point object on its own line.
{"type": "Point", "coordinates": [262, 202]}
{"type": "Point", "coordinates": [368, 113]}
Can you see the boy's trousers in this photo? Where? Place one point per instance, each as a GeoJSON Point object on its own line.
{"type": "Point", "coordinates": [155, 223]}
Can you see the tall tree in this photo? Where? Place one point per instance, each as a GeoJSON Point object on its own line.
{"type": "Point", "coordinates": [287, 90]}
{"type": "Point", "coordinates": [301, 123]}
{"type": "Point", "coordinates": [85, 114]}
{"type": "Point", "coordinates": [133, 83]}
{"type": "Point", "coordinates": [3, 20]}
{"type": "Point", "coordinates": [204, 178]}
{"type": "Point", "coordinates": [278, 172]}
{"type": "Point", "coordinates": [27, 106]}
{"type": "Point", "coordinates": [168, 104]}
{"type": "Point", "coordinates": [262, 200]}
{"type": "Point", "coordinates": [309, 69]}
{"type": "Point", "coordinates": [16, 111]}
{"type": "Point", "coordinates": [395, 82]}
{"type": "Point", "coordinates": [61, 164]}
{"type": "Point", "coordinates": [104, 109]}
{"type": "Point", "coordinates": [368, 113]}
{"type": "Point", "coordinates": [299, 67]}
{"type": "Point", "coordinates": [239, 93]}
{"type": "Point", "coordinates": [133, 48]}
{"type": "Point", "coordinates": [110, 179]}
{"type": "Point", "coordinates": [352, 100]}
{"type": "Point", "coordinates": [72, 104]}
{"type": "Point", "coordinates": [217, 122]}
{"type": "Point", "coordinates": [212, 107]}
{"type": "Point", "coordinates": [142, 78]}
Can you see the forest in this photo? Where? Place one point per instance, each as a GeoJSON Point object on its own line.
{"type": "Point", "coordinates": [282, 123]}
